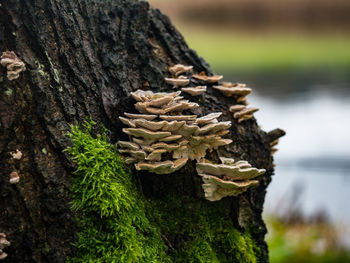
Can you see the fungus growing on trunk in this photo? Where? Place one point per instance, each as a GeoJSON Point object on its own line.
{"type": "Point", "coordinates": [242, 113]}
{"type": "Point", "coordinates": [3, 243]}
{"type": "Point", "coordinates": [195, 91]}
{"type": "Point", "coordinates": [177, 82]}
{"type": "Point", "coordinates": [13, 64]}
{"type": "Point", "coordinates": [182, 137]}
{"type": "Point", "coordinates": [227, 179]}
{"type": "Point", "coordinates": [14, 178]}
{"type": "Point", "coordinates": [17, 155]}
{"type": "Point", "coordinates": [207, 79]}
{"type": "Point", "coordinates": [179, 69]}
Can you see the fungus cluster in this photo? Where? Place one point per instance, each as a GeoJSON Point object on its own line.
{"type": "Point", "coordinates": [3, 243]}
{"type": "Point", "coordinates": [178, 80]}
{"type": "Point", "coordinates": [227, 179]}
{"type": "Point", "coordinates": [162, 139]}
{"type": "Point", "coordinates": [242, 113]}
{"type": "Point", "coordinates": [13, 64]}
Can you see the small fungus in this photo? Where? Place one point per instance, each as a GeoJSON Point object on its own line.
{"type": "Point", "coordinates": [3, 243]}
{"type": "Point", "coordinates": [227, 179]}
{"type": "Point", "coordinates": [239, 90]}
{"type": "Point", "coordinates": [195, 91]}
{"type": "Point", "coordinates": [177, 82]}
{"type": "Point", "coordinates": [17, 155]}
{"type": "Point", "coordinates": [14, 177]}
{"type": "Point", "coordinates": [179, 69]}
{"type": "Point", "coordinates": [246, 111]}
{"type": "Point", "coordinates": [13, 64]}
{"type": "Point", "coordinates": [207, 79]}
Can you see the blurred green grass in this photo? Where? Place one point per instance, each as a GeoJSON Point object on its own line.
{"type": "Point", "coordinates": [305, 242]}
{"type": "Point", "coordinates": [271, 51]}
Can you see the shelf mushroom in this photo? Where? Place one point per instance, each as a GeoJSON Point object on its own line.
{"type": "Point", "coordinates": [179, 69]}
{"type": "Point", "coordinates": [162, 139]}
{"type": "Point", "coordinates": [3, 243]}
{"type": "Point", "coordinates": [207, 79]}
{"type": "Point", "coordinates": [229, 178]}
{"type": "Point", "coordinates": [13, 64]}
{"type": "Point", "coordinates": [14, 177]}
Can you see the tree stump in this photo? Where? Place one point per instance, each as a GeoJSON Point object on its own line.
{"type": "Point", "coordinates": [84, 58]}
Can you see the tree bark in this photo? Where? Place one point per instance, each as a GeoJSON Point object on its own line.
{"type": "Point", "coordinates": [83, 58]}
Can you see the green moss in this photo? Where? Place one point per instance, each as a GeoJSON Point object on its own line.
{"type": "Point", "coordinates": [117, 224]}
{"type": "Point", "coordinates": [113, 224]}
{"type": "Point", "coordinates": [206, 229]}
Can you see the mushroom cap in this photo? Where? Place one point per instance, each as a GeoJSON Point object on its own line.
{"type": "Point", "coordinates": [246, 111]}
{"type": "Point", "coordinates": [17, 155]}
{"type": "Point", "coordinates": [173, 125]}
{"type": "Point", "coordinates": [195, 91]}
{"type": "Point", "coordinates": [228, 161]}
{"type": "Point", "coordinates": [208, 118]}
{"type": "Point", "coordinates": [232, 172]}
{"type": "Point", "coordinates": [127, 122]}
{"type": "Point", "coordinates": [245, 117]}
{"type": "Point", "coordinates": [177, 82]}
{"type": "Point", "coordinates": [171, 138]}
{"type": "Point", "coordinates": [14, 177]}
{"type": "Point", "coordinates": [168, 147]}
{"type": "Point", "coordinates": [128, 145]}
{"type": "Point", "coordinates": [178, 117]}
{"type": "Point", "coordinates": [3, 241]}
{"type": "Point", "coordinates": [140, 116]}
{"type": "Point", "coordinates": [237, 107]}
{"type": "Point", "coordinates": [146, 134]}
{"type": "Point", "coordinates": [156, 155]}
{"type": "Point", "coordinates": [179, 69]}
{"type": "Point", "coordinates": [215, 188]}
{"type": "Point", "coordinates": [138, 154]}
{"type": "Point", "coordinates": [233, 91]}
{"type": "Point", "coordinates": [214, 127]}
{"type": "Point", "coordinates": [150, 125]}
{"type": "Point", "coordinates": [207, 79]}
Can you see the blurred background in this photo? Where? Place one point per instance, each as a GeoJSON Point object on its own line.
{"type": "Point", "coordinates": [295, 55]}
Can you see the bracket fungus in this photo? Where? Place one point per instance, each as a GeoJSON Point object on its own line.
{"type": "Point", "coordinates": [17, 155]}
{"type": "Point", "coordinates": [3, 243]}
{"type": "Point", "coordinates": [14, 178]}
{"type": "Point", "coordinates": [195, 91]}
{"type": "Point", "coordinates": [13, 64]}
{"type": "Point", "coordinates": [179, 69]}
{"type": "Point", "coordinates": [227, 179]}
{"type": "Point", "coordinates": [242, 113]}
{"type": "Point", "coordinates": [177, 82]}
{"type": "Point", "coordinates": [169, 133]}
{"type": "Point", "coordinates": [207, 79]}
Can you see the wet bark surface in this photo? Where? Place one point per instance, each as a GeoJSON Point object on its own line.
{"type": "Point", "coordinates": [83, 58]}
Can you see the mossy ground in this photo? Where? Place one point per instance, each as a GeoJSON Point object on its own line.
{"type": "Point", "coordinates": [118, 224]}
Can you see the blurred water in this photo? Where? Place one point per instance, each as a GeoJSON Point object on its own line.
{"type": "Point", "coordinates": [314, 156]}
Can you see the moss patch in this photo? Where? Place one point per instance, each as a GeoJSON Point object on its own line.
{"type": "Point", "coordinates": [119, 225]}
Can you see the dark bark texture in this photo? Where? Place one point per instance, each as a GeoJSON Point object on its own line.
{"type": "Point", "coordinates": [83, 58]}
